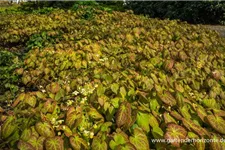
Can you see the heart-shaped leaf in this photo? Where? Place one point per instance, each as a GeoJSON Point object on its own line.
{"type": "Point", "coordinates": [54, 143]}
{"type": "Point", "coordinates": [174, 133]}
{"type": "Point", "coordinates": [190, 125]}
{"type": "Point", "coordinates": [44, 129]}
{"type": "Point", "coordinates": [168, 118]}
{"type": "Point", "coordinates": [30, 99]}
{"type": "Point", "coordinates": [26, 134]}
{"type": "Point", "coordinates": [143, 121]}
{"type": "Point", "coordinates": [167, 98]}
{"type": "Point", "coordinates": [8, 127]}
{"type": "Point", "coordinates": [139, 139]}
{"type": "Point", "coordinates": [119, 138]}
{"type": "Point", "coordinates": [78, 143]}
{"type": "Point", "coordinates": [98, 144]}
{"type": "Point", "coordinates": [24, 146]}
{"type": "Point", "coordinates": [123, 116]}
{"type": "Point", "coordinates": [216, 144]}
{"type": "Point", "coordinates": [37, 142]}
{"type": "Point", "coordinates": [217, 123]}
{"type": "Point", "coordinates": [115, 88]}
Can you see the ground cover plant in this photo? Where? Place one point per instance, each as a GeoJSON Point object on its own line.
{"type": "Point", "coordinates": [92, 79]}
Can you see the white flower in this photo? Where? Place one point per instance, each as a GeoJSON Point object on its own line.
{"type": "Point", "coordinates": [86, 133]}
{"type": "Point", "coordinates": [75, 93]}
{"type": "Point", "coordinates": [59, 133]}
{"type": "Point", "coordinates": [60, 121]}
{"type": "Point", "coordinates": [43, 91]}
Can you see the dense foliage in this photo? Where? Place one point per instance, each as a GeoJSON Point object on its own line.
{"type": "Point", "coordinates": [114, 80]}
{"type": "Point", "coordinates": [205, 12]}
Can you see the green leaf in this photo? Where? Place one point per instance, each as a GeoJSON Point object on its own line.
{"type": "Point", "coordinates": [100, 90]}
{"type": "Point", "coordinates": [37, 142]}
{"type": "Point", "coordinates": [123, 92]}
{"type": "Point", "coordinates": [210, 103]}
{"type": "Point", "coordinates": [98, 144]}
{"type": "Point", "coordinates": [24, 146]}
{"type": "Point", "coordinates": [115, 87]}
{"type": "Point", "coordinates": [154, 105]}
{"type": "Point", "coordinates": [217, 123]}
{"type": "Point", "coordinates": [157, 132]}
{"type": "Point", "coordinates": [123, 115]}
{"type": "Point", "coordinates": [143, 121]}
{"type": "Point", "coordinates": [59, 94]}
{"type": "Point", "coordinates": [185, 112]}
{"type": "Point", "coordinates": [119, 138]}
{"type": "Point", "coordinates": [30, 99]}
{"type": "Point", "coordinates": [54, 143]}
{"type": "Point", "coordinates": [139, 139]}
{"type": "Point", "coordinates": [115, 102]}
{"type": "Point", "coordinates": [175, 132]}
{"type": "Point", "coordinates": [168, 118]}
{"type": "Point", "coordinates": [8, 127]}
{"type": "Point", "coordinates": [44, 129]}
{"type": "Point", "coordinates": [26, 134]}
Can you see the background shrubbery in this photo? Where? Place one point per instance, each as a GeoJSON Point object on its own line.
{"type": "Point", "coordinates": [205, 12]}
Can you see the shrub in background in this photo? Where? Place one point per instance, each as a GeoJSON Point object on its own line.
{"type": "Point", "coordinates": [206, 12]}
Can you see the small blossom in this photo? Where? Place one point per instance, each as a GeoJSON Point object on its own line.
{"type": "Point", "coordinates": [86, 133]}
{"type": "Point", "coordinates": [75, 93]}
{"type": "Point", "coordinates": [59, 133]}
{"type": "Point", "coordinates": [43, 91]}
{"type": "Point", "coordinates": [91, 135]}
{"type": "Point", "coordinates": [60, 121]}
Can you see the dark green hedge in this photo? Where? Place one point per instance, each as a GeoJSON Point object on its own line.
{"type": "Point", "coordinates": [206, 12]}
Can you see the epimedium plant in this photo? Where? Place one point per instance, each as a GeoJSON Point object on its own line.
{"type": "Point", "coordinates": [114, 81]}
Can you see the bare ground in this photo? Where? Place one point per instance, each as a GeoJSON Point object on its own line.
{"type": "Point", "coordinates": [219, 28]}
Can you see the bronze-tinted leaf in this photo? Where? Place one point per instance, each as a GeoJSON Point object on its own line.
{"type": "Point", "coordinates": [168, 98]}
{"type": "Point", "coordinates": [78, 143]}
{"type": "Point", "coordinates": [37, 142]}
{"type": "Point", "coordinates": [190, 125]}
{"type": "Point", "coordinates": [176, 115]}
{"type": "Point", "coordinates": [168, 118]}
{"type": "Point", "coordinates": [98, 144]}
{"type": "Point", "coordinates": [200, 144]}
{"type": "Point", "coordinates": [123, 115]}
{"type": "Point", "coordinates": [168, 65]}
{"type": "Point", "coordinates": [44, 129]}
{"type": "Point", "coordinates": [201, 113]}
{"type": "Point", "coordinates": [54, 143]}
{"type": "Point", "coordinates": [217, 123]}
{"type": "Point", "coordinates": [176, 133]}
{"type": "Point", "coordinates": [139, 139]}
{"type": "Point", "coordinates": [24, 146]}
{"type": "Point", "coordinates": [8, 127]}
{"type": "Point", "coordinates": [218, 112]}
{"type": "Point", "coordinates": [216, 143]}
